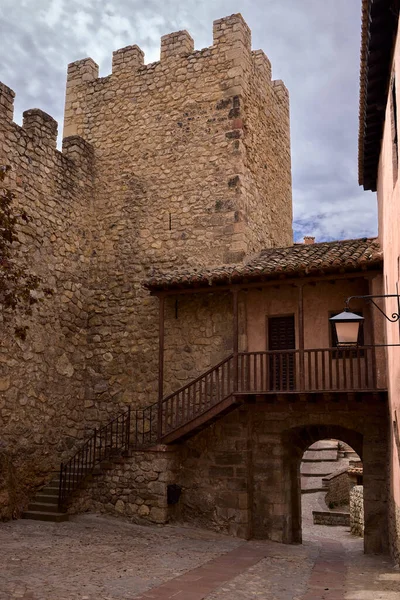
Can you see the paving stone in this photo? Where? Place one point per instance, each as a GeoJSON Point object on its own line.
{"type": "Point", "coordinates": [103, 558]}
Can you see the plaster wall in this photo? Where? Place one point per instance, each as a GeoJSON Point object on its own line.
{"type": "Point", "coordinates": [319, 299]}
{"type": "Point", "coordinates": [389, 236]}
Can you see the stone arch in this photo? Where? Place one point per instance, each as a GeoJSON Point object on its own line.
{"type": "Point", "coordinates": [280, 435]}
{"type": "Point", "coordinates": [297, 439]}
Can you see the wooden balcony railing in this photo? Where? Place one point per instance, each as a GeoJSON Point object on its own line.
{"type": "Point", "coordinates": [311, 370]}
{"type": "Point", "coordinates": [284, 371]}
{"type": "Point", "coordinates": [198, 396]}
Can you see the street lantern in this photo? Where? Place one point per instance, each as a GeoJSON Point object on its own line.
{"type": "Point", "coordinates": [347, 327]}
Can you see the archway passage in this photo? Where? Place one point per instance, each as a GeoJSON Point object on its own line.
{"type": "Point", "coordinates": [242, 474]}
{"type": "Point", "coordinates": [371, 448]}
{"type": "Point", "coordinates": [329, 470]}
{"type": "Point", "coordinates": [282, 432]}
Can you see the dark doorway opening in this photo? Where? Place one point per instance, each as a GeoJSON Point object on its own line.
{"type": "Point", "coordinates": [281, 337]}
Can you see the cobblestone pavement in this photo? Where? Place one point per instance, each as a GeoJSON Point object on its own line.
{"type": "Point", "coordinates": [103, 558]}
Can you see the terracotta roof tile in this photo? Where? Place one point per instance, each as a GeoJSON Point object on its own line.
{"type": "Point", "coordinates": [273, 263]}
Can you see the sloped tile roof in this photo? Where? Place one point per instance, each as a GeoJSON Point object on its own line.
{"type": "Point", "coordinates": [277, 263]}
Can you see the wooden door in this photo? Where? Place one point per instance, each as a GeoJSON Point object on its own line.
{"type": "Point", "coordinates": [281, 336]}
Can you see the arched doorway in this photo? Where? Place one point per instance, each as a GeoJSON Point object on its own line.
{"type": "Point", "coordinates": [329, 471]}
{"type": "Point", "coordinates": [296, 441]}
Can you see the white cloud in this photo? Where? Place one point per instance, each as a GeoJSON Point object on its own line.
{"type": "Point", "coordinates": [313, 46]}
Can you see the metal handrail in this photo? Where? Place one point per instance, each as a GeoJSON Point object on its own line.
{"type": "Point", "coordinates": [105, 442]}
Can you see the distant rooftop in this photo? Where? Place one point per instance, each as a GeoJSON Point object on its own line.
{"type": "Point", "coordinates": [299, 260]}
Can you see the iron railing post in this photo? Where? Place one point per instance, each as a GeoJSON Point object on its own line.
{"type": "Point", "coordinates": [128, 430]}
{"type": "Point", "coordinates": [60, 486]}
{"type": "Point", "coordinates": [94, 446]}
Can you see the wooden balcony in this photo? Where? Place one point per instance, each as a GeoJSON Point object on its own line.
{"type": "Point", "coordinates": [225, 386]}
{"type": "Point", "coordinates": [310, 370]}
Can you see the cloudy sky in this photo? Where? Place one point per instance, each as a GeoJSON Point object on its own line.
{"type": "Point", "coordinates": [313, 46]}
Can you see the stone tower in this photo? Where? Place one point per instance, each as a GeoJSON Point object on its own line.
{"type": "Point", "coordinates": [191, 168]}
{"type": "Point", "coordinates": [180, 163]}
{"type": "Point", "coordinates": [192, 152]}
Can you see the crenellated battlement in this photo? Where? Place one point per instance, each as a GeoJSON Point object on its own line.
{"type": "Point", "coordinates": [40, 125]}
{"type": "Point", "coordinates": [231, 38]}
{"type": "Point", "coordinates": [229, 59]}
{"type": "Point", "coordinates": [38, 135]}
{"type": "Point", "coordinates": [262, 64]}
{"type": "Point", "coordinates": [176, 44]}
{"type": "Point", "coordinates": [281, 92]}
{"type": "Point", "coordinates": [7, 96]}
{"type": "Point", "coordinates": [127, 59]}
{"type": "Point", "coordinates": [82, 71]}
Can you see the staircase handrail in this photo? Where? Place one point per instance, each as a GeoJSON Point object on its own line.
{"type": "Point", "coordinates": [104, 442]}
{"type": "Point", "coordinates": [194, 381]}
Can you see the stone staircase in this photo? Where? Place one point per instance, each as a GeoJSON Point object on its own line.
{"type": "Point", "coordinates": [44, 506]}
{"type": "Point", "coordinates": [318, 461]}
{"type": "Point", "coordinates": [107, 445]}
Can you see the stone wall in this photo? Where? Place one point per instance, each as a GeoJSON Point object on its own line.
{"type": "Point", "coordinates": [339, 486]}
{"type": "Point", "coordinates": [357, 510]}
{"type": "Point", "coordinates": [198, 335]}
{"type": "Point", "coordinates": [215, 477]}
{"type": "Point", "coordinates": [185, 161]}
{"type": "Point", "coordinates": [332, 519]}
{"type": "Point", "coordinates": [394, 530]}
{"type": "Point", "coordinates": [240, 475]}
{"type": "Point", "coordinates": [194, 152]}
{"type": "Point", "coordinates": [42, 379]}
{"type": "Point", "coordinates": [134, 487]}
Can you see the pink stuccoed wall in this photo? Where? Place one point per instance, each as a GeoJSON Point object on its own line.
{"type": "Point", "coordinates": [389, 237]}
{"type": "Point", "coordinates": [319, 299]}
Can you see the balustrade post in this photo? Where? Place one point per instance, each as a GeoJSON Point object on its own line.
{"type": "Point", "coordinates": [301, 339]}
{"type": "Point", "coordinates": [374, 373]}
{"type": "Point", "coordinates": [235, 292]}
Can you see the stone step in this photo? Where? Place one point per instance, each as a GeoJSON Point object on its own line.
{"type": "Point", "coordinates": [45, 516]}
{"type": "Point", "coordinates": [46, 498]}
{"type": "Point", "coordinates": [49, 490]}
{"type": "Point", "coordinates": [43, 507]}
{"type": "Point", "coordinates": [313, 490]}
{"type": "Point", "coordinates": [318, 460]}
{"type": "Point", "coordinates": [315, 474]}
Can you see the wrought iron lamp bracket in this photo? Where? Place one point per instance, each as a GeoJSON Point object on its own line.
{"type": "Point", "coordinates": [393, 318]}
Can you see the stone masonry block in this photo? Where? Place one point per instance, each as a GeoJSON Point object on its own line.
{"type": "Point", "coordinates": [127, 60]}
{"type": "Point", "coordinates": [80, 151]}
{"type": "Point", "coordinates": [6, 102]}
{"type": "Point", "coordinates": [40, 125]}
{"type": "Point", "coordinates": [176, 44]}
{"type": "Point", "coordinates": [82, 71]}
{"type": "Point", "coordinates": [262, 64]}
{"type": "Point", "coordinates": [232, 31]}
